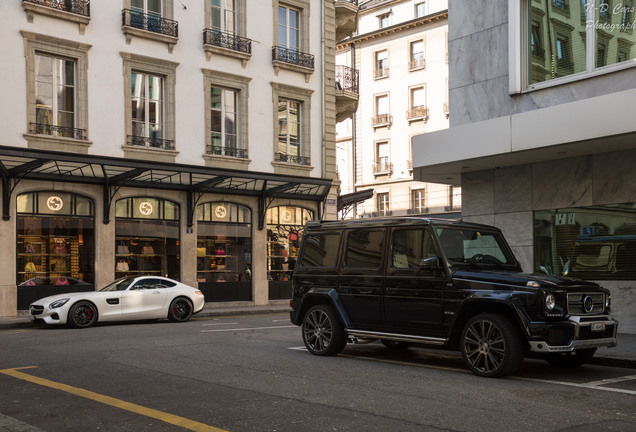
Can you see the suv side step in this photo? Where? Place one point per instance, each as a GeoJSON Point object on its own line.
{"type": "Point", "coordinates": [364, 334]}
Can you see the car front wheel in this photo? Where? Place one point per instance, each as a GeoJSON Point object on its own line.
{"type": "Point", "coordinates": [491, 346]}
{"type": "Point", "coordinates": [82, 314]}
{"type": "Point", "coordinates": [180, 310]}
{"type": "Point", "coordinates": [323, 333]}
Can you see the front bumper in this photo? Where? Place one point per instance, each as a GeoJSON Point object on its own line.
{"type": "Point", "coordinates": [582, 333]}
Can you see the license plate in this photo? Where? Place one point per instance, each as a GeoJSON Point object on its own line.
{"type": "Point", "coordinates": [597, 327]}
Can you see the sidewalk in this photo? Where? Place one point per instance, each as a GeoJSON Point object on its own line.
{"type": "Point", "coordinates": [623, 355]}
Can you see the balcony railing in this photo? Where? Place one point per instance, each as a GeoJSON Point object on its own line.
{"type": "Point", "coordinates": [415, 211]}
{"type": "Point", "coordinates": [418, 112]}
{"type": "Point", "coordinates": [58, 131]}
{"type": "Point", "coordinates": [300, 160]}
{"type": "Point", "coordinates": [227, 40]}
{"type": "Point", "coordinates": [355, 2]}
{"type": "Point", "coordinates": [78, 7]}
{"type": "Point", "coordinates": [381, 119]}
{"type": "Point", "coordinates": [446, 109]}
{"type": "Point", "coordinates": [417, 63]}
{"type": "Point", "coordinates": [156, 143]}
{"type": "Point", "coordinates": [347, 79]}
{"type": "Point", "coordinates": [292, 56]}
{"type": "Point", "coordinates": [381, 73]}
{"type": "Point", "coordinates": [150, 22]}
{"type": "Point", "coordinates": [227, 151]}
{"type": "Point", "coordinates": [383, 166]}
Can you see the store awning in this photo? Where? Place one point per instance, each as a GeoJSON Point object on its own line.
{"type": "Point", "coordinates": [346, 201]}
{"type": "Point", "coordinates": [112, 173]}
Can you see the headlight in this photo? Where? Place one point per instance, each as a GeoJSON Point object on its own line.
{"type": "Point", "coordinates": [58, 303]}
{"type": "Point", "coordinates": [608, 302]}
{"type": "Point", "coordinates": [550, 302]}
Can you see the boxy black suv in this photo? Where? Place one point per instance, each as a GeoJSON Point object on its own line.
{"type": "Point", "coordinates": [445, 284]}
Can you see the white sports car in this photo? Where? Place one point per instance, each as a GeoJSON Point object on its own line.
{"type": "Point", "coordinates": [129, 298]}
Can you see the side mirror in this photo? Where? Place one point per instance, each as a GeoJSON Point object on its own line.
{"type": "Point", "coordinates": [430, 263]}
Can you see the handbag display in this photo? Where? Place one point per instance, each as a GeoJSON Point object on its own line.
{"type": "Point", "coordinates": [29, 267]}
{"type": "Point", "coordinates": [59, 246]}
{"type": "Point", "coordinates": [28, 248]}
{"type": "Point", "coordinates": [122, 249]}
{"type": "Point", "coordinates": [147, 250]}
{"type": "Point", "coordinates": [62, 280]}
{"type": "Point", "coordinates": [60, 266]}
{"type": "Point", "coordinates": [200, 251]}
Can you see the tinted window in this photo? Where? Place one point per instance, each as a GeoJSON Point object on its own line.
{"type": "Point", "coordinates": [364, 249]}
{"type": "Point", "coordinates": [321, 250]}
{"type": "Point", "coordinates": [409, 247]}
{"type": "Point", "coordinates": [149, 284]}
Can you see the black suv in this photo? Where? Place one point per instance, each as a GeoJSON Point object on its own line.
{"type": "Point", "coordinates": [446, 284]}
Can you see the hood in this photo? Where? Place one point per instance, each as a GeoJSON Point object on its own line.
{"type": "Point", "coordinates": [527, 280]}
{"type": "Point", "coordinates": [55, 297]}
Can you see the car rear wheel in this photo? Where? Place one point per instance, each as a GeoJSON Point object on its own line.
{"type": "Point", "coordinates": [323, 333]}
{"type": "Point", "coordinates": [491, 346]}
{"type": "Point", "coordinates": [180, 310]}
{"type": "Point", "coordinates": [82, 314]}
{"type": "Point", "coordinates": [570, 359]}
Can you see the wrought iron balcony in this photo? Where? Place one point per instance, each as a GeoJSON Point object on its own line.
{"type": "Point", "coordinates": [150, 22]}
{"type": "Point", "coordinates": [381, 73]}
{"type": "Point", "coordinates": [417, 63]}
{"type": "Point", "coordinates": [156, 143]}
{"type": "Point", "coordinates": [446, 109]}
{"type": "Point", "coordinates": [382, 167]}
{"type": "Point", "coordinates": [300, 160]}
{"type": "Point", "coordinates": [382, 120]}
{"type": "Point", "coordinates": [227, 151]}
{"type": "Point", "coordinates": [79, 7]}
{"type": "Point", "coordinates": [347, 79]}
{"type": "Point", "coordinates": [292, 56]}
{"type": "Point", "coordinates": [418, 113]}
{"type": "Point", "coordinates": [58, 131]}
{"type": "Point", "coordinates": [227, 40]}
{"type": "Point", "coordinates": [355, 2]}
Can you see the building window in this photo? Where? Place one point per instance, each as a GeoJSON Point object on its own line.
{"type": "Point", "coordinates": [150, 108]}
{"type": "Point", "coordinates": [383, 204]}
{"type": "Point", "coordinates": [55, 245]}
{"type": "Point", "coordinates": [382, 116]}
{"type": "Point", "coordinates": [223, 15]}
{"type": "Point", "coordinates": [417, 55]}
{"type": "Point", "coordinates": [226, 23]}
{"type": "Point", "coordinates": [383, 163]}
{"type": "Point", "coordinates": [57, 90]}
{"type": "Point", "coordinates": [420, 9]}
{"type": "Point", "coordinates": [147, 237]}
{"type": "Point", "coordinates": [381, 64]}
{"type": "Point", "coordinates": [150, 19]}
{"type": "Point", "coordinates": [454, 198]}
{"type": "Point", "coordinates": [384, 20]}
{"type": "Point", "coordinates": [226, 120]}
{"type": "Point", "coordinates": [557, 43]}
{"type": "Point", "coordinates": [292, 125]}
{"type": "Point", "coordinates": [55, 96]}
{"type": "Point", "coordinates": [418, 201]}
{"type": "Point", "coordinates": [417, 99]}
{"type": "Point", "coordinates": [292, 38]}
{"type": "Point", "coordinates": [596, 242]}
{"type": "Point", "coordinates": [289, 28]}
{"type": "Point", "coordinates": [224, 251]}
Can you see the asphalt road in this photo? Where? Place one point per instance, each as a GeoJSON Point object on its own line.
{"type": "Point", "coordinates": [252, 373]}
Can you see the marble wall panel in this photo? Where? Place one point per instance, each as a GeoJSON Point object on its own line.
{"type": "Point", "coordinates": [468, 17]}
{"type": "Point", "coordinates": [478, 196]}
{"type": "Point", "coordinates": [562, 183]}
{"type": "Point", "coordinates": [480, 101]}
{"type": "Point", "coordinates": [614, 177]}
{"type": "Point", "coordinates": [513, 189]}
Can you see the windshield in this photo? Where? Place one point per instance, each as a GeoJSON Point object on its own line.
{"type": "Point", "coordinates": [474, 246]}
{"type": "Point", "coordinates": [119, 285]}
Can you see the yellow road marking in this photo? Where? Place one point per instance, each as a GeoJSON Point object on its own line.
{"type": "Point", "coordinates": [107, 400]}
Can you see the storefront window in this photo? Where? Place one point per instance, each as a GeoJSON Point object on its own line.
{"type": "Point", "coordinates": [55, 245]}
{"type": "Point", "coordinates": [284, 229]}
{"type": "Point", "coordinates": [224, 251]}
{"type": "Point", "coordinates": [596, 242]}
{"type": "Point", "coordinates": [147, 237]}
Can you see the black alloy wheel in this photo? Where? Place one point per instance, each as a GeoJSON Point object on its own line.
{"type": "Point", "coordinates": [82, 314]}
{"type": "Point", "coordinates": [180, 310]}
{"type": "Point", "coordinates": [570, 359]}
{"type": "Point", "coordinates": [323, 333]}
{"type": "Point", "coordinates": [491, 346]}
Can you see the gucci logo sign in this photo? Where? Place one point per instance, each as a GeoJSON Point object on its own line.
{"type": "Point", "coordinates": [55, 203]}
{"type": "Point", "coordinates": [145, 208]}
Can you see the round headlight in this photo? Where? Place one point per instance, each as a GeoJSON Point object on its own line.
{"type": "Point", "coordinates": [608, 301]}
{"type": "Point", "coordinates": [550, 302]}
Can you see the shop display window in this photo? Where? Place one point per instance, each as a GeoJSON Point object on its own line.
{"type": "Point", "coordinates": [224, 251]}
{"type": "Point", "coordinates": [595, 242]}
{"type": "Point", "coordinates": [284, 231]}
{"type": "Point", "coordinates": [147, 238]}
{"type": "Point", "coordinates": [55, 245]}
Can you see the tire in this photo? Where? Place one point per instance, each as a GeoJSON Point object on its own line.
{"type": "Point", "coordinates": [492, 346]}
{"type": "Point", "coordinates": [83, 314]}
{"type": "Point", "coordinates": [396, 345]}
{"type": "Point", "coordinates": [323, 333]}
{"type": "Point", "coordinates": [570, 359]}
{"type": "Point", "coordinates": [180, 310]}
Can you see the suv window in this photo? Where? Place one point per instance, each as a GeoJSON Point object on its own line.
{"type": "Point", "coordinates": [321, 250]}
{"type": "Point", "coordinates": [364, 249]}
{"type": "Point", "coordinates": [410, 247]}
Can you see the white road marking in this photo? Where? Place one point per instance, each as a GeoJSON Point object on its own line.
{"type": "Point", "coordinates": [298, 348]}
{"type": "Point", "coordinates": [247, 329]}
{"type": "Point", "coordinates": [281, 320]}
{"type": "Point", "coordinates": [594, 385]}
{"type": "Point", "coordinates": [223, 323]}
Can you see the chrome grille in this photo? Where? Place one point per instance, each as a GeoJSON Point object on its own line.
{"type": "Point", "coordinates": [36, 310]}
{"type": "Point", "coordinates": [586, 303]}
